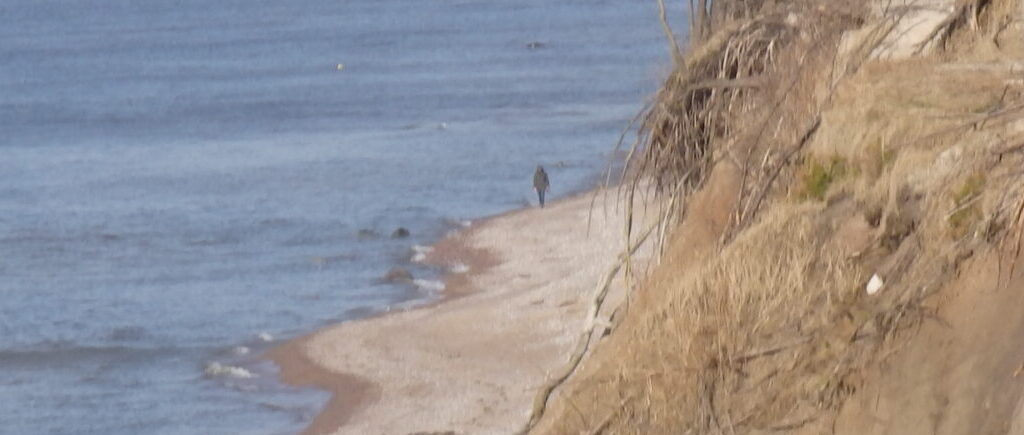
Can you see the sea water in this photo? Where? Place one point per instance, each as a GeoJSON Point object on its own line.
{"type": "Point", "coordinates": [185, 183]}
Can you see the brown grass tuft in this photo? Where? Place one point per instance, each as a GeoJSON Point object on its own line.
{"type": "Point", "coordinates": [818, 176]}
{"type": "Point", "coordinates": [967, 211]}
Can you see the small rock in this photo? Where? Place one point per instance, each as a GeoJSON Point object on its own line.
{"type": "Point", "coordinates": [398, 274]}
{"type": "Point", "coordinates": [400, 233]}
{"type": "Point", "coordinates": [874, 284]}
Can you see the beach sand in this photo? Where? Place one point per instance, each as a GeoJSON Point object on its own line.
{"type": "Point", "coordinates": [473, 362]}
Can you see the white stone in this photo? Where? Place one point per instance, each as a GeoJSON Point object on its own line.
{"type": "Point", "coordinates": [874, 284]}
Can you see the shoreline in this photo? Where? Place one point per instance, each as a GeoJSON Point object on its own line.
{"type": "Point", "coordinates": [382, 370]}
{"type": "Point", "coordinates": [350, 393]}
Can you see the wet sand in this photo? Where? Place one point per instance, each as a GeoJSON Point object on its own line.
{"type": "Point", "coordinates": [473, 361]}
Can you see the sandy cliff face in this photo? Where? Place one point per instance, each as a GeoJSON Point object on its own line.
{"type": "Point", "coordinates": [892, 156]}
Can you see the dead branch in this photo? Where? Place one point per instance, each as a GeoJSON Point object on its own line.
{"type": "Point", "coordinates": [585, 338]}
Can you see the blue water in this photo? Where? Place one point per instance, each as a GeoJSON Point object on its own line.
{"type": "Point", "coordinates": [181, 181]}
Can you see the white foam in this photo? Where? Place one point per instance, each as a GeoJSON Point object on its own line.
{"type": "Point", "coordinates": [420, 252]}
{"type": "Point", "coordinates": [458, 223]}
{"type": "Point", "coordinates": [459, 268]}
{"type": "Point", "coordinates": [240, 350]}
{"type": "Point", "coordinates": [429, 285]}
{"type": "Point", "coordinates": [218, 369]}
{"type": "Point", "coordinates": [263, 336]}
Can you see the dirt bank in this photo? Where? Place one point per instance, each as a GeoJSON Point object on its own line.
{"type": "Point", "coordinates": [823, 152]}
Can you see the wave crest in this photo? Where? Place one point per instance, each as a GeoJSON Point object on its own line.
{"type": "Point", "coordinates": [216, 369]}
{"type": "Point", "coordinates": [429, 285]}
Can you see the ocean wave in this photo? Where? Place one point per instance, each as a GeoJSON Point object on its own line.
{"type": "Point", "coordinates": [63, 352]}
{"type": "Point", "coordinates": [216, 369]}
{"type": "Point", "coordinates": [458, 223]}
{"type": "Point", "coordinates": [420, 252]}
{"type": "Point", "coordinates": [321, 261]}
{"type": "Point", "coordinates": [429, 285]}
{"type": "Point", "coordinates": [127, 333]}
{"type": "Point", "coordinates": [217, 240]}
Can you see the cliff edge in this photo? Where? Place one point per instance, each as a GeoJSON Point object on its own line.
{"type": "Point", "coordinates": [843, 229]}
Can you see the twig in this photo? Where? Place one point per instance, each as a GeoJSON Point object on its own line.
{"type": "Point", "coordinates": [584, 341]}
{"type": "Point", "coordinates": [608, 420]}
{"type": "Point", "coordinates": [794, 425]}
{"type": "Point", "coordinates": [741, 82]}
{"type": "Point", "coordinates": [785, 161]}
{"type": "Point", "coordinates": [964, 205]}
{"type": "Point", "coordinates": [677, 56]}
{"type": "Point", "coordinates": [771, 350]}
{"type": "Point", "coordinates": [945, 28]}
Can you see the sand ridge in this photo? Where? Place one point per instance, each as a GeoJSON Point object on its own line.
{"type": "Point", "coordinates": [473, 363]}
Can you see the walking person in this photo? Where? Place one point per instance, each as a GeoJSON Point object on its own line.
{"type": "Point", "coordinates": [540, 183]}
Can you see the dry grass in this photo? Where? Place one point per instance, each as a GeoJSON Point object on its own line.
{"type": "Point", "coordinates": [921, 158]}
{"type": "Point", "coordinates": [818, 175]}
{"type": "Point", "coordinates": [755, 319]}
{"type": "Point", "coordinates": [972, 22]}
{"type": "Point", "coordinates": [770, 334]}
{"type": "Point", "coordinates": [747, 92]}
{"type": "Point", "coordinates": [967, 212]}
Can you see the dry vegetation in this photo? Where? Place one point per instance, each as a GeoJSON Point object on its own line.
{"type": "Point", "coordinates": [840, 168]}
{"type": "Point", "coordinates": [743, 92]}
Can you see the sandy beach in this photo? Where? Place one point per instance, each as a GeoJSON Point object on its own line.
{"type": "Point", "coordinates": [474, 361]}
